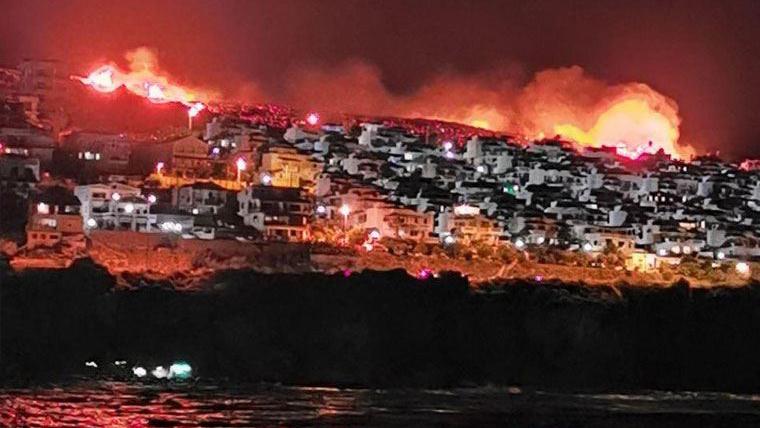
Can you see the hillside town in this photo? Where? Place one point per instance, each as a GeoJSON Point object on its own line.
{"type": "Point", "coordinates": [371, 188]}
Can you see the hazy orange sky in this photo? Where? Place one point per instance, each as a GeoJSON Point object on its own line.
{"type": "Point", "coordinates": [704, 55]}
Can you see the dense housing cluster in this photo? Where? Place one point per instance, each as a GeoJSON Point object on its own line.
{"type": "Point", "coordinates": [248, 178]}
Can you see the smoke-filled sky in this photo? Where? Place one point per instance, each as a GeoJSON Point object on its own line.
{"type": "Point", "coordinates": [455, 59]}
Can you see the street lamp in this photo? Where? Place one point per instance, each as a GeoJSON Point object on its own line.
{"type": "Point", "coordinates": [742, 268]}
{"type": "Point", "coordinates": [159, 167]}
{"type": "Point", "coordinates": [192, 112]}
{"type": "Point", "coordinates": [266, 179]}
{"type": "Point", "coordinates": [345, 210]}
{"type": "Point", "coordinates": [449, 240]}
{"type": "Point", "coordinates": [240, 164]}
{"type": "Point", "coordinates": [312, 119]}
{"type": "Point", "coordinates": [152, 199]}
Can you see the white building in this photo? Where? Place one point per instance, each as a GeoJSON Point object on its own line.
{"type": "Point", "coordinates": [115, 206]}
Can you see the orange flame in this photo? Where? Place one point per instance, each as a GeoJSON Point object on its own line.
{"type": "Point", "coordinates": [633, 127]}
{"type": "Point", "coordinates": [144, 79]}
{"type": "Point", "coordinates": [565, 101]}
{"type": "Point", "coordinates": [632, 117]}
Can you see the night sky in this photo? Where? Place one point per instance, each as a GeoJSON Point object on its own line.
{"type": "Point", "coordinates": [705, 55]}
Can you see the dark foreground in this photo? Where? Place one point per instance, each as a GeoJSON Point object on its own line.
{"type": "Point", "coordinates": [118, 404]}
{"type": "Point", "coordinates": [383, 330]}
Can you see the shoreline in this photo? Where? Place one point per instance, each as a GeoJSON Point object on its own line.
{"type": "Point", "coordinates": [196, 265]}
{"type": "Point", "coordinates": [382, 329]}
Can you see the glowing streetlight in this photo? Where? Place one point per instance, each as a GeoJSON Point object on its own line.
{"type": "Point", "coordinates": [587, 247]}
{"type": "Point", "coordinates": [742, 268]}
{"type": "Point", "coordinates": [160, 372]}
{"type": "Point", "coordinates": [152, 199]}
{"type": "Point", "coordinates": [520, 244]}
{"type": "Point", "coordinates": [374, 235]}
{"type": "Point", "coordinates": [321, 209]}
{"type": "Point", "coordinates": [312, 118]}
{"type": "Point", "coordinates": [43, 208]}
{"type": "Point", "coordinates": [240, 164]}
{"type": "Point", "coordinates": [159, 167]}
{"type": "Point", "coordinates": [129, 208]}
{"type": "Point", "coordinates": [115, 196]}
{"type": "Point", "coordinates": [345, 210]}
{"type": "Point", "coordinates": [180, 370]}
{"type": "Point", "coordinates": [266, 179]}
{"type": "Point", "coordinates": [92, 223]}
{"type": "Point", "coordinates": [448, 145]}
{"type": "Point", "coordinates": [449, 240]}
{"type": "Point", "coordinates": [424, 273]}
{"type": "Point", "coordinates": [192, 112]}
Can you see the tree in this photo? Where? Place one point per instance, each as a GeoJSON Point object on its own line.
{"type": "Point", "coordinates": [611, 256]}
{"type": "Point", "coordinates": [422, 248]}
{"type": "Point", "coordinates": [505, 253]}
{"type": "Point", "coordinates": [483, 250]}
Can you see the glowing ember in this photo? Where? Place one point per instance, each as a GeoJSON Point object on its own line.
{"type": "Point", "coordinates": [155, 93]}
{"type": "Point", "coordinates": [240, 164]}
{"type": "Point", "coordinates": [312, 119]}
{"type": "Point", "coordinates": [480, 123]}
{"type": "Point", "coordinates": [101, 79]}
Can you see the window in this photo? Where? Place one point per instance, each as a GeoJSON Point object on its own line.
{"type": "Point", "coordinates": [49, 222]}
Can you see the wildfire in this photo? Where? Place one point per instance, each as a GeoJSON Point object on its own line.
{"type": "Point", "coordinates": [632, 117]}
{"type": "Point", "coordinates": [480, 123]}
{"type": "Point", "coordinates": [633, 127]}
{"type": "Point", "coordinates": [144, 79]}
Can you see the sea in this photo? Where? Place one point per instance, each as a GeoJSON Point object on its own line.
{"type": "Point", "coordinates": [207, 403]}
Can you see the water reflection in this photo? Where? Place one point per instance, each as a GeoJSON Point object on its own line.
{"type": "Point", "coordinates": [119, 404]}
